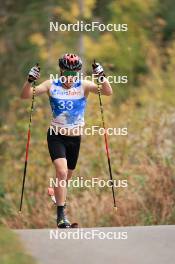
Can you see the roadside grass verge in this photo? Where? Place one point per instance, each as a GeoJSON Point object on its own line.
{"type": "Point", "coordinates": [11, 250]}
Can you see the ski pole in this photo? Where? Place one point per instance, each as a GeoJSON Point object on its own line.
{"type": "Point", "coordinates": [106, 142]}
{"type": "Point", "coordinates": [27, 145]}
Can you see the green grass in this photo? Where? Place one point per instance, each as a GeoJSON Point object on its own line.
{"type": "Point", "coordinates": [11, 251]}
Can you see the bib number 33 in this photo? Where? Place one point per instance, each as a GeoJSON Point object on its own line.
{"type": "Point", "coordinates": [68, 105]}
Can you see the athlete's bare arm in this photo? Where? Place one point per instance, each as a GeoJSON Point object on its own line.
{"type": "Point", "coordinates": [90, 86]}
{"type": "Point", "coordinates": [27, 89]}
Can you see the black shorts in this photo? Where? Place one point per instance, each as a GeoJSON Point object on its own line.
{"type": "Point", "coordinates": [61, 146]}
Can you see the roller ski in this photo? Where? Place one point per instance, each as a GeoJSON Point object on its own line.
{"type": "Point", "coordinates": [64, 223]}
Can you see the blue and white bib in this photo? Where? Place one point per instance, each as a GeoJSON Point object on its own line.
{"type": "Point", "coordinates": [68, 105]}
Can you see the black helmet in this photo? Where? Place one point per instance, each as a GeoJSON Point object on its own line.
{"type": "Point", "coordinates": [70, 62]}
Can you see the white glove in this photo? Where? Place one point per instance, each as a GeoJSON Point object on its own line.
{"type": "Point", "coordinates": [34, 74]}
{"type": "Point", "coordinates": [97, 69]}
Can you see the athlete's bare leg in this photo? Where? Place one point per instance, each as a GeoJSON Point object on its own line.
{"type": "Point", "coordinates": [61, 174]}
{"type": "Point", "coordinates": [53, 193]}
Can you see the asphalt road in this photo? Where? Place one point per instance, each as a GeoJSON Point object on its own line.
{"type": "Point", "coordinates": [130, 245]}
